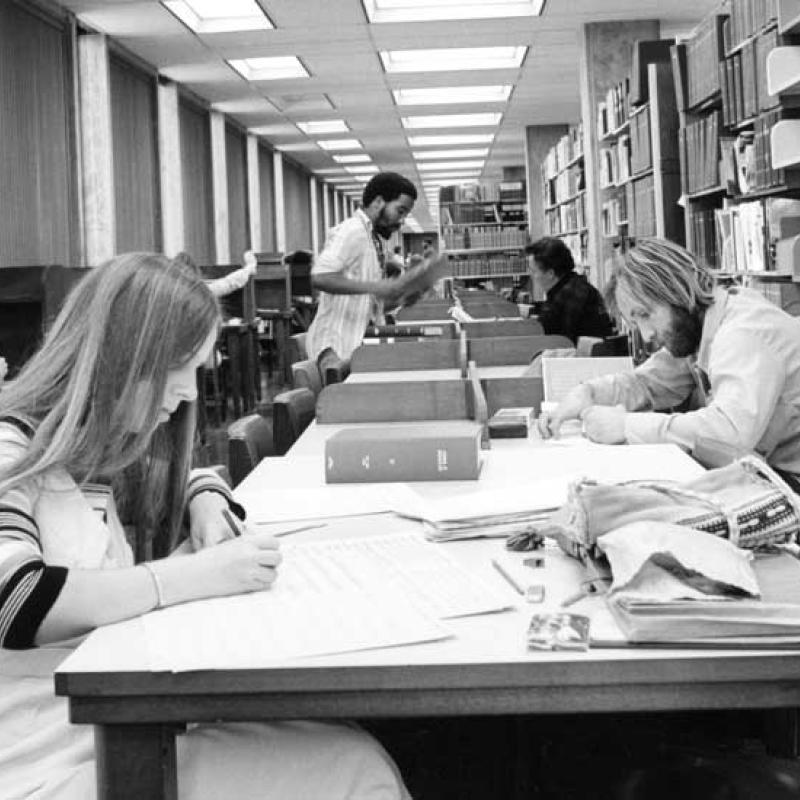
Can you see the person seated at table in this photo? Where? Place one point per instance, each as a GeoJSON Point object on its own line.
{"type": "Point", "coordinates": [220, 287]}
{"type": "Point", "coordinates": [729, 353]}
{"type": "Point", "coordinates": [572, 306]}
{"type": "Point", "coordinates": [347, 272]}
{"type": "Point", "coordinates": [96, 431]}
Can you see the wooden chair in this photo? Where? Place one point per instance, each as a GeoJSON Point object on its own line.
{"type": "Point", "coordinates": [404, 355]}
{"type": "Point", "coordinates": [502, 327]}
{"type": "Point", "coordinates": [249, 440]}
{"type": "Point", "coordinates": [292, 412]}
{"type": "Point", "coordinates": [306, 375]}
{"type": "Point", "coordinates": [513, 349]}
{"type": "Point", "coordinates": [404, 401]}
{"type": "Point", "coordinates": [512, 393]}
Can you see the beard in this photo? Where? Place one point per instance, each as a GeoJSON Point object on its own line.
{"type": "Point", "coordinates": [685, 331]}
{"type": "Point", "coordinates": [383, 227]}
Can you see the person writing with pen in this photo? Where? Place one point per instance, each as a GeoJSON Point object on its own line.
{"type": "Point", "coordinates": [96, 437]}
{"type": "Point", "coordinates": [726, 358]}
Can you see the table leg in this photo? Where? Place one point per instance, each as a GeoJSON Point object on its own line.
{"type": "Point", "coordinates": [782, 732]}
{"type": "Point", "coordinates": [136, 761]}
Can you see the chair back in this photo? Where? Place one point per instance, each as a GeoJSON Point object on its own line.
{"type": "Point", "coordinates": [512, 393]}
{"type": "Point", "coordinates": [292, 413]}
{"type": "Point", "coordinates": [403, 401]}
{"type": "Point", "coordinates": [297, 347]}
{"type": "Point", "coordinates": [407, 355]}
{"type": "Point", "coordinates": [502, 327]}
{"type": "Point", "coordinates": [306, 375]}
{"type": "Point", "coordinates": [272, 283]}
{"type": "Point", "coordinates": [503, 350]}
{"type": "Point", "coordinates": [249, 440]}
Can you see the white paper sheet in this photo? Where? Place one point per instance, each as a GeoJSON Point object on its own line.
{"type": "Point", "coordinates": [559, 375]}
{"type": "Point", "coordinates": [332, 596]}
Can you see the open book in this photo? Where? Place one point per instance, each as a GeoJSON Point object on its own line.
{"type": "Point", "coordinates": [559, 375]}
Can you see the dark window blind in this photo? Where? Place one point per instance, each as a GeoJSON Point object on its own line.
{"type": "Point", "coordinates": [198, 210]}
{"type": "Point", "coordinates": [134, 131]}
{"type": "Point", "coordinates": [236, 162]}
{"type": "Point", "coordinates": [266, 182]}
{"type": "Point", "coordinates": [297, 202]}
{"type": "Point", "coordinates": [38, 223]}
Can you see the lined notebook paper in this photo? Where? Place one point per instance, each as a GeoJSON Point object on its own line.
{"type": "Point", "coordinates": [559, 375]}
{"type": "Point", "coordinates": [331, 596]}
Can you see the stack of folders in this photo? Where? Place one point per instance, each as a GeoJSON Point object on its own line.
{"type": "Point", "coordinates": [488, 513]}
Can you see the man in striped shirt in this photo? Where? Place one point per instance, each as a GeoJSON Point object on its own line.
{"type": "Point", "coordinates": [352, 289]}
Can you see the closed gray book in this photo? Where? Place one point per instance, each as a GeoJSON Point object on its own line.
{"type": "Point", "coordinates": [424, 451]}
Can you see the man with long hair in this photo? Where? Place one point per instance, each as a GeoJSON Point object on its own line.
{"type": "Point", "coordinates": [727, 356]}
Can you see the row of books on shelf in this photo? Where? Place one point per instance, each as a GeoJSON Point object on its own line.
{"type": "Point", "coordinates": [747, 17]}
{"type": "Point", "coordinates": [566, 217]}
{"type": "Point", "coordinates": [699, 142]}
{"type": "Point", "coordinates": [744, 238]}
{"type": "Point", "coordinates": [613, 112]}
{"type": "Point", "coordinates": [568, 148]}
{"type": "Point", "coordinates": [578, 243]}
{"type": "Point", "coordinates": [484, 236]}
{"type": "Point", "coordinates": [615, 162]}
{"type": "Point", "coordinates": [642, 207]}
{"type": "Point", "coordinates": [492, 266]}
{"type": "Point", "coordinates": [504, 191]}
{"type": "Point", "coordinates": [704, 51]}
{"type": "Point", "coordinates": [743, 80]}
{"type": "Point", "coordinates": [613, 213]}
{"type": "Point", "coordinates": [565, 185]}
{"type": "Point", "coordinates": [641, 152]}
{"type": "Point", "coordinates": [458, 213]}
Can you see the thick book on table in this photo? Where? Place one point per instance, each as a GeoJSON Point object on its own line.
{"type": "Point", "coordinates": [441, 451]}
{"type": "Point", "coordinates": [774, 620]}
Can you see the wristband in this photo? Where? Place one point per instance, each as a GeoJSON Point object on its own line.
{"type": "Point", "coordinates": [156, 583]}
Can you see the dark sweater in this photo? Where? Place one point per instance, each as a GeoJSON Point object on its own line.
{"type": "Point", "coordinates": [575, 308]}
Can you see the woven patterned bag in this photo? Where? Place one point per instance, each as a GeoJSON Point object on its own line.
{"type": "Point", "coordinates": [745, 501]}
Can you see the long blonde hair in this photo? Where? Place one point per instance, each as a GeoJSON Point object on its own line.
{"type": "Point", "coordinates": [124, 326]}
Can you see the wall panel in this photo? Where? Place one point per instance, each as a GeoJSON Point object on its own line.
{"type": "Point", "coordinates": [198, 212]}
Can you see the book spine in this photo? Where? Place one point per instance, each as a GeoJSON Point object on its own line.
{"type": "Point", "coordinates": [414, 459]}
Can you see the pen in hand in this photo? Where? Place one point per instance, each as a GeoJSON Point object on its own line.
{"type": "Point", "coordinates": [232, 524]}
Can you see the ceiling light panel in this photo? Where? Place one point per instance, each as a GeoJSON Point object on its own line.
{"type": "Point", "coordinates": [424, 10]}
{"type": "Point", "coordinates": [364, 169]}
{"type": "Point", "coordinates": [430, 155]}
{"type": "Point", "coordinates": [453, 58]}
{"type": "Point", "coordinates": [453, 120]}
{"type": "Point", "coordinates": [452, 94]}
{"type": "Point", "coordinates": [316, 127]}
{"type": "Point", "coordinates": [339, 144]}
{"type": "Point", "coordinates": [451, 139]}
{"type": "Point", "coordinates": [211, 16]}
{"type": "Point", "coordinates": [269, 68]}
{"type": "Point", "coordinates": [355, 158]}
{"type": "Point", "coordinates": [433, 166]}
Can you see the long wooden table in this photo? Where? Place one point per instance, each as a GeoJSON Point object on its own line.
{"type": "Point", "coordinates": [485, 669]}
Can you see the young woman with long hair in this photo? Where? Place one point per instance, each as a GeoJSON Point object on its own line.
{"type": "Point", "coordinates": [96, 437]}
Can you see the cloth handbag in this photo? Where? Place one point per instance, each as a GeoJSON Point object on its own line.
{"type": "Point", "coordinates": [745, 501]}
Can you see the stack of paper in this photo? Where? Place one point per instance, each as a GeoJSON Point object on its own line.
{"type": "Point", "coordinates": [490, 512]}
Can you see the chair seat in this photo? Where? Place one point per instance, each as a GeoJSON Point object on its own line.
{"type": "Point", "coordinates": [249, 440]}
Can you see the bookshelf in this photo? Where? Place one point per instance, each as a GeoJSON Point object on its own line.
{"type": "Point", "coordinates": [738, 82]}
{"type": "Point", "coordinates": [484, 228]}
{"type": "Point", "coordinates": [564, 193]}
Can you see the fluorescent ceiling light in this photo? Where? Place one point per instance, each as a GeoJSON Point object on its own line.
{"type": "Point", "coordinates": [457, 138]}
{"type": "Point", "coordinates": [339, 144]}
{"type": "Point", "coordinates": [356, 158]}
{"type": "Point", "coordinates": [269, 68]}
{"type": "Point", "coordinates": [330, 171]}
{"type": "Point", "coordinates": [455, 59]}
{"type": "Point", "coordinates": [364, 169]}
{"type": "Point", "coordinates": [451, 94]}
{"type": "Point", "coordinates": [424, 10]}
{"type": "Point", "coordinates": [323, 126]}
{"type": "Point", "coordinates": [429, 155]}
{"type": "Point", "coordinates": [453, 120]}
{"type": "Point", "coordinates": [438, 166]}
{"type": "Point", "coordinates": [211, 16]}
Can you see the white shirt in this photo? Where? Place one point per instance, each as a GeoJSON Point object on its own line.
{"type": "Point", "coordinates": [750, 356]}
{"type": "Point", "coordinates": [341, 319]}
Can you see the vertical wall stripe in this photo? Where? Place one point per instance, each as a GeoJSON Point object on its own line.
{"type": "Point", "coordinates": [97, 159]}
{"type": "Point", "coordinates": [280, 203]}
{"type": "Point", "coordinates": [254, 193]}
{"type": "Point", "coordinates": [326, 208]}
{"type": "Point", "coordinates": [219, 183]}
{"type": "Point", "coordinates": [169, 164]}
{"type": "Point", "coordinates": [312, 190]}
